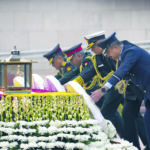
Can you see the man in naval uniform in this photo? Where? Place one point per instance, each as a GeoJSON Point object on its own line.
{"type": "Point", "coordinates": [66, 70]}
{"type": "Point", "coordinates": [134, 64]}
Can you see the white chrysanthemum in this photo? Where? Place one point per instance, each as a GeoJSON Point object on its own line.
{"type": "Point", "coordinates": [32, 144]}
{"type": "Point", "coordinates": [97, 145]}
{"type": "Point", "coordinates": [102, 135]}
{"type": "Point", "coordinates": [64, 130]}
{"type": "Point", "coordinates": [69, 146]}
{"type": "Point", "coordinates": [9, 131]}
{"type": "Point", "coordinates": [32, 139]}
{"type": "Point", "coordinates": [22, 123]}
{"type": "Point", "coordinates": [9, 124]}
{"type": "Point", "coordinates": [59, 144]}
{"type": "Point", "coordinates": [4, 144]}
{"type": "Point", "coordinates": [52, 138]}
{"type": "Point", "coordinates": [69, 136]}
{"type": "Point", "coordinates": [22, 138]}
{"type": "Point", "coordinates": [13, 144]}
{"type": "Point", "coordinates": [82, 137]}
{"type": "Point", "coordinates": [31, 130]}
{"type": "Point", "coordinates": [113, 147]}
{"type": "Point", "coordinates": [52, 130]}
{"type": "Point", "coordinates": [61, 135]}
{"type": "Point", "coordinates": [80, 145]}
{"type": "Point", "coordinates": [42, 144]}
{"type": "Point", "coordinates": [12, 137]}
{"type": "Point", "coordinates": [50, 145]}
{"type": "Point", "coordinates": [42, 138]}
{"type": "Point", "coordinates": [42, 130]}
{"type": "Point", "coordinates": [24, 146]}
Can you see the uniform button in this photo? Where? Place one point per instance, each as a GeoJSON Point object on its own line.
{"type": "Point", "coordinates": [144, 91]}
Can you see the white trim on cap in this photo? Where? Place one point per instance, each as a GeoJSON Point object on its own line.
{"type": "Point", "coordinates": [95, 34]}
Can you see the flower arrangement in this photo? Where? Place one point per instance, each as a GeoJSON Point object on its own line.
{"type": "Point", "coordinates": [56, 121]}
{"type": "Point", "coordinates": [68, 135]}
{"type": "Point", "coordinates": [43, 106]}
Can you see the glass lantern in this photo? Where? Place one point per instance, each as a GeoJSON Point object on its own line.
{"type": "Point", "coordinates": [15, 74]}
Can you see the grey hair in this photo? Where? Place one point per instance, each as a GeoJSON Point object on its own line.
{"type": "Point", "coordinates": [117, 42]}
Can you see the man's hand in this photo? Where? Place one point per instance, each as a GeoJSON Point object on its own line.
{"type": "Point", "coordinates": [96, 95]}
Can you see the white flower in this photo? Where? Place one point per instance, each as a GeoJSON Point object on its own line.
{"type": "Point", "coordinates": [69, 136]}
{"type": "Point", "coordinates": [24, 146]}
{"type": "Point", "coordinates": [80, 145]}
{"type": "Point", "coordinates": [97, 145]}
{"type": "Point", "coordinates": [82, 137]}
{"type": "Point", "coordinates": [12, 137]}
{"type": "Point", "coordinates": [13, 144]}
{"type": "Point", "coordinates": [32, 139]}
{"type": "Point", "coordinates": [69, 146]}
{"type": "Point", "coordinates": [22, 138]}
{"type": "Point", "coordinates": [31, 130]}
{"type": "Point", "coordinates": [6, 130]}
{"type": "Point", "coordinates": [59, 144]}
{"type": "Point", "coordinates": [42, 144]}
{"type": "Point", "coordinates": [32, 144]}
{"type": "Point", "coordinates": [42, 138]}
{"type": "Point", "coordinates": [42, 130]}
{"type": "Point", "coordinates": [52, 130]}
{"type": "Point", "coordinates": [4, 144]}
{"type": "Point", "coordinates": [22, 123]}
{"type": "Point", "coordinates": [50, 145]}
{"type": "Point", "coordinates": [9, 124]}
{"type": "Point", "coordinates": [52, 138]}
{"type": "Point", "coordinates": [102, 136]}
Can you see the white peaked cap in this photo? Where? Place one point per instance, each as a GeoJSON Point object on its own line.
{"type": "Point", "coordinates": [95, 35]}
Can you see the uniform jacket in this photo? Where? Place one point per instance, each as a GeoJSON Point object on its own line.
{"type": "Point", "coordinates": [104, 65]}
{"type": "Point", "coordinates": [67, 72]}
{"type": "Point", "coordinates": [135, 62]}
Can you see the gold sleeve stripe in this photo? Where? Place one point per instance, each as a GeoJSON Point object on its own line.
{"type": "Point", "coordinates": [79, 80]}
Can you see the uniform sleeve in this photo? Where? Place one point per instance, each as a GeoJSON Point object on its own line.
{"type": "Point", "coordinates": [69, 75]}
{"type": "Point", "coordinates": [58, 76]}
{"type": "Point", "coordinates": [129, 60]}
{"type": "Point", "coordinates": [87, 74]}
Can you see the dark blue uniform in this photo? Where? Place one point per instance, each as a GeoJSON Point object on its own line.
{"type": "Point", "coordinates": [135, 64]}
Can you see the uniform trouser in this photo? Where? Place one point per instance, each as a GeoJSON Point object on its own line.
{"type": "Point", "coordinates": [141, 129]}
{"type": "Point", "coordinates": [111, 101]}
{"type": "Point", "coordinates": [129, 114]}
{"type": "Point", "coordinates": [147, 120]}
